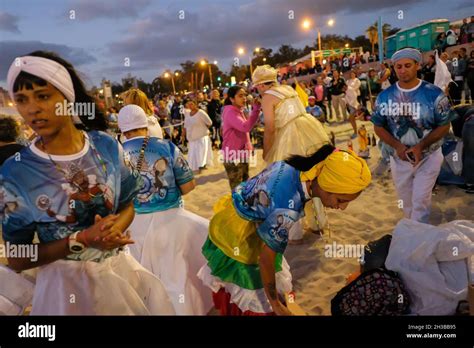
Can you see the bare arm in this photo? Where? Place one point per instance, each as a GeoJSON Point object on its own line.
{"type": "Point", "coordinates": [435, 135]}
{"type": "Point", "coordinates": [188, 187]}
{"type": "Point", "coordinates": [59, 249]}
{"type": "Point", "coordinates": [268, 103]}
{"type": "Point", "coordinates": [267, 272]}
{"type": "Point", "coordinates": [125, 217]}
{"type": "Point", "coordinates": [47, 253]}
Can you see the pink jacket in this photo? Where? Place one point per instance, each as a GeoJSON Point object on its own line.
{"type": "Point", "coordinates": [235, 131]}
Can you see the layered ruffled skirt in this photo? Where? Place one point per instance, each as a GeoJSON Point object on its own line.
{"type": "Point", "coordinates": [118, 285]}
{"type": "Point", "coordinates": [232, 271]}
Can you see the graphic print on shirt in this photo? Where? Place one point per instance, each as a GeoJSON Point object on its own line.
{"type": "Point", "coordinates": [8, 202]}
{"type": "Point", "coordinates": [84, 194]}
{"type": "Point", "coordinates": [163, 170]}
{"type": "Point", "coordinates": [255, 193]}
{"type": "Point", "coordinates": [412, 115]}
{"type": "Point", "coordinates": [55, 201]}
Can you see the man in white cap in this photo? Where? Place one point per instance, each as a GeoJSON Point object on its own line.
{"type": "Point", "coordinates": [412, 117]}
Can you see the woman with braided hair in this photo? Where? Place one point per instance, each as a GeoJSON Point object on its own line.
{"type": "Point", "coordinates": [167, 237]}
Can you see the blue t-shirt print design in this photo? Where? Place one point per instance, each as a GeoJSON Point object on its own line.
{"type": "Point", "coordinates": [274, 199]}
{"type": "Point", "coordinates": [40, 198]}
{"type": "Point", "coordinates": [163, 170]}
{"type": "Point", "coordinates": [410, 115]}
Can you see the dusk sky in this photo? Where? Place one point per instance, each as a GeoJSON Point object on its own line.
{"type": "Point", "coordinates": [154, 38]}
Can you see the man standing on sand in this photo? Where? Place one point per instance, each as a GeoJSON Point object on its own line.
{"type": "Point", "coordinates": [412, 116]}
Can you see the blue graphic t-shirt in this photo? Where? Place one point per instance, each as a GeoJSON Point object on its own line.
{"type": "Point", "coordinates": [35, 196]}
{"type": "Point", "coordinates": [409, 115]}
{"type": "Point", "coordinates": [163, 170]}
{"type": "Point", "coordinates": [314, 110]}
{"type": "Point", "coordinates": [274, 199]}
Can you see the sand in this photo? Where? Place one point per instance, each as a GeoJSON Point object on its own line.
{"type": "Point", "coordinates": [317, 278]}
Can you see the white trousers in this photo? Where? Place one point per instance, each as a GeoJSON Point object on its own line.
{"type": "Point", "coordinates": [414, 184]}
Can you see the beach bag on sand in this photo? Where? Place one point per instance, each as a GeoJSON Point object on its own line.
{"type": "Point", "coordinates": [434, 262]}
{"type": "Point", "coordinates": [375, 292]}
{"type": "Point", "coordinates": [375, 253]}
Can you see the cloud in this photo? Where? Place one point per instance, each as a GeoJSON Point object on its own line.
{"type": "Point", "coordinates": [8, 22]}
{"type": "Point", "coordinates": [12, 49]}
{"type": "Point", "coordinates": [215, 32]}
{"type": "Point", "coordinates": [88, 10]}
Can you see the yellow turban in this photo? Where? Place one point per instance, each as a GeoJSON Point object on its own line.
{"type": "Point", "coordinates": [341, 172]}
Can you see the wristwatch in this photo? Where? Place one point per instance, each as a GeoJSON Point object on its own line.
{"type": "Point", "coordinates": [75, 246]}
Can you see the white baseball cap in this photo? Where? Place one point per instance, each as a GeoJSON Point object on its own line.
{"type": "Point", "coordinates": [132, 117]}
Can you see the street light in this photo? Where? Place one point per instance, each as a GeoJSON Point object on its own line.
{"type": "Point", "coordinates": [166, 75]}
{"type": "Point", "coordinates": [241, 52]}
{"type": "Point", "coordinates": [306, 24]}
{"type": "Point", "coordinates": [203, 63]}
{"type": "Point", "coordinates": [346, 45]}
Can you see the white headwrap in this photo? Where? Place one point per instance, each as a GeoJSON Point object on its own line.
{"type": "Point", "coordinates": [48, 70]}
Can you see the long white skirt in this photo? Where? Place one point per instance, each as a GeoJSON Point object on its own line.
{"type": "Point", "coordinates": [119, 285]}
{"type": "Point", "coordinates": [200, 153]}
{"type": "Point", "coordinates": [169, 243]}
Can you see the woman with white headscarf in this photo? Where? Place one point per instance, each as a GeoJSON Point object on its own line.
{"type": "Point", "coordinates": [73, 189]}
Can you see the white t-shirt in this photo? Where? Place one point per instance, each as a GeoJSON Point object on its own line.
{"type": "Point", "coordinates": [197, 125]}
{"type": "Point", "coordinates": [154, 128]}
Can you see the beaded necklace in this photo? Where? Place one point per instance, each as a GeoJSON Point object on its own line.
{"type": "Point", "coordinates": [64, 173]}
{"type": "Point", "coordinates": [141, 157]}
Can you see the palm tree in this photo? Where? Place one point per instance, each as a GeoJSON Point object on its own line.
{"type": "Point", "coordinates": [373, 33]}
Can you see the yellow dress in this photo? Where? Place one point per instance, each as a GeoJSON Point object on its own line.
{"type": "Point", "coordinates": [296, 131]}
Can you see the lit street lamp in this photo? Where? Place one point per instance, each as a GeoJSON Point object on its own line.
{"type": "Point", "coordinates": [306, 24]}
{"type": "Point", "coordinates": [241, 52]}
{"type": "Point", "coordinates": [203, 63]}
{"type": "Point", "coordinates": [167, 75]}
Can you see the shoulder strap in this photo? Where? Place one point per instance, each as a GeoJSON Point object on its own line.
{"type": "Point", "coordinates": [275, 93]}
